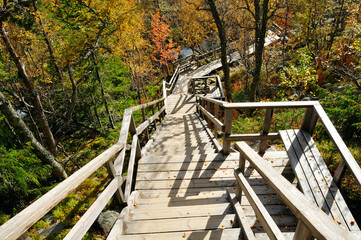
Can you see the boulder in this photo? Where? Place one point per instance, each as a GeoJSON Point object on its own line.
{"type": "Point", "coordinates": [106, 220]}
{"type": "Point", "coordinates": [52, 230]}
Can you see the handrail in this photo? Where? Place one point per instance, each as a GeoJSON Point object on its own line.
{"type": "Point", "coordinates": [20, 223]}
{"type": "Point", "coordinates": [314, 111]}
{"type": "Point", "coordinates": [309, 215]}
{"type": "Point", "coordinates": [206, 88]}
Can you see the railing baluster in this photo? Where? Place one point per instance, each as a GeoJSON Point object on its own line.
{"type": "Point", "coordinates": [309, 120]}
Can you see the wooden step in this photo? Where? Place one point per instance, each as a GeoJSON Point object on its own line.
{"type": "Point", "coordinates": [188, 158]}
{"type": "Point", "coordinates": [180, 224]}
{"type": "Point", "coordinates": [186, 183]}
{"type": "Point", "coordinates": [189, 201]}
{"type": "Point", "coordinates": [142, 212]}
{"type": "Point", "coordinates": [270, 199]}
{"type": "Point", "coordinates": [206, 192]}
{"type": "Point", "coordinates": [213, 175]}
{"type": "Point", "coordinates": [226, 234]}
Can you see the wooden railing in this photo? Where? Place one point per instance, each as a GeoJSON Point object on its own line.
{"type": "Point", "coordinates": [207, 81]}
{"type": "Point", "coordinates": [169, 86]}
{"type": "Point", "coordinates": [214, 111]}
{"type": "Point", "coordinates": [312, 221]}
{"type": "Point", "coordinates": [113, 158]}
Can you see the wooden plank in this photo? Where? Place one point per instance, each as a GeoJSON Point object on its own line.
{"type": "Point", "coordinates": [210, 117]}
{"type": "Point", "coordinates": [172, 225]}
{"type": "Point", "coordinates": [309, 120]}
{"type": "Point", "coordinates": [250, 105]}
{"type": "Point", "coordinates": [252, 137]}
{"type": "Point", "coordinates": [314, 218]}
{"type": "Point", "coordinates": [214, 140]}
{"type": "Point", "coordinates": [217, 102]}
{"type": "Point", "coordinates": [118, 162]}
{"type": "Point", "coordinates": [265, 218]}
{"type": "Point", "coordinates": [266, 126]}
{"type": "Point", "coordinates": [180, 211]}
{"type": "Point", "coordinates": [309, 173]}
{"type": "Point", "coordinates": [17, 225]}
{"type": "Point", "coordinates": [208, 157]}
{"type": "Point", "coordinates": [228, 118]}
{"type": "Point", "coordinates": [146, 124]}
{"type": "Point", "coordinates": [241, 216]}
{"type": "Point", "coordinates": [223, 234]}
{"type": "Point", "coordinates": [190, 166]}
{"type": "Point", "coordinates": [341, 146]}
{"type": "Point", "coordinates": [301, 177]}
{"type": "Point", "coordinates": [133, 157]}
{"type": "Point", "coordinates": [185, 184]}
{"type": "Point", "coordinates": [138, 107]}
{"type": "Point", "coordinates": [111, 171]}
{"type": "Point", "coordinates": [127, 118]}
{"type": "Point", "coordinates": [333, 190]}
{"type": "Point", "coordinates": [302, 232]}
{"type": "Point", "coordinates": [327, 203]}
{"type": "Point", "coordinates": [87, 220]}
{"type": "Point", "coordinates": [219, 84]}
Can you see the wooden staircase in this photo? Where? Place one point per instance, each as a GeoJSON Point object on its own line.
{"type": "Point", "coordinates": [180, 193]}
{"type": "Point", "coordinates": [183, 184]}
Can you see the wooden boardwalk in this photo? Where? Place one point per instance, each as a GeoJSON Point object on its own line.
{"type": "Point", "coordinates": [181, 184]}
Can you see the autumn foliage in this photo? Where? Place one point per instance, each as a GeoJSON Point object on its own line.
{"type": "Point", "coordinates": [164, 50]}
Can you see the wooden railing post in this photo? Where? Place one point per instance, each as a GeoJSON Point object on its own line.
{"type": "Point", "coordinates": [242, 166]}
{"type": "Point", "coordinates": [302, 232]}
{"type": "Point", "coordinates": [216, 113]}
{"type": "Point", "coordinates": [111, 171]}
{"type": "Point", "coordinates": [144, 119]}
{"type": "Point", "coordinates": [266, 126]}
{"type": "Point", "coordinates": [228, 118]}
{"type": "Point", "coordinates": [309, 120]}
{"type": "Point", "coordinates": [209, 109]}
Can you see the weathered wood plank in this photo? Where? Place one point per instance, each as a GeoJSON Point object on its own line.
{"type": "Point", "coordinates": [241, 216]}
{"type": "Point", "coordinates": [309, 120]}
{"type": "Point", "coordinates": [250, 105]}
{"type": "Point", "coordinates": [146, 124]}
{"type": "Point", "coordinates": [134, 155]}
{"type": "Point", "coordinates": [266, 127]}
{"type": "Point", "coordinates": [301, 177]}
{"type": "Point", "coordinates": [333, 190]}
{"type": "Point", "coordinates": [111, 171]}
{"type": "Point", "coordinates": [172, 225]}
{"type": "Point", "coordinates": [138, 107]}
{"type": "Point", "coordinates": [209, 116]}
{"type": "Point", "coordinates": [314, 218]}
{"type": "Point", "coordinates": [252, 137]}
{"type": "Point", "coordinates": [87, 220]}
{"type": "Point", "coordinates": [223, 234]}
{"type": "Point", "coordinates": [341, 146]}
{"type": "Point", "coordinates": [17, 225]}
{"type": "Point", "coordinates": [265, 218]}
{"type": "Point", "coordinates": [228, 118]}
{"type": "Point", "coordinates": [180, 211]}
{"type": "Point", "coordinates": [187, 166]}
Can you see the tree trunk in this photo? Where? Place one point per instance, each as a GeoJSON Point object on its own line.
{"type": "Point", "coordinates": [25, 135]}
{"type": "Point", "coordinates": [102, 92]}
{"type": "Point", "coordinates": [223, 39]}
{"type": "Point", "coordinates": [35, 98]}
{"type": "Point", "coordinates": [260, 35]}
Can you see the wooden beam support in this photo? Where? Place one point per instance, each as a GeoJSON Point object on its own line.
{"type": "Point", "coordinates": [210, 117]}
{"type": "Point", "coordinates": [228, 118]}
{"type": "Point", "coordinates": [309, 120]}
{"type": "Point", "coordinates": [241, 216]}
{"type": "Point", "coordinates": [266, 127]}
{"type": "Point", "coordinates": [272, 230]}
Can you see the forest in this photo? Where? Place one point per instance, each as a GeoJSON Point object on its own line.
{"type": "Point", "coordinates": [68, 69]}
